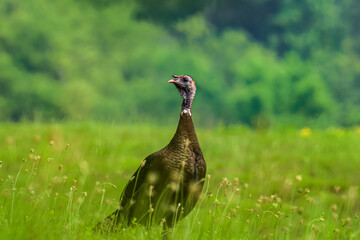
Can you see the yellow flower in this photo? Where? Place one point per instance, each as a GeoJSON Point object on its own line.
{"type": "Point", "coordinates": [305, 132]}
{"type": "Point", "coordinates": [357, 129]}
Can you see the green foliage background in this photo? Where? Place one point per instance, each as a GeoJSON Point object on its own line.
{"type": "Point", "coordinates": [261, 63]}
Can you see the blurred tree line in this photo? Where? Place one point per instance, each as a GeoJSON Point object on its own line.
{"type": "Point", "coordinates": [256, 62]}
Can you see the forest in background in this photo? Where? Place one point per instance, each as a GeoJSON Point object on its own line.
{"type": "Point", "coordinates": [261, 62]}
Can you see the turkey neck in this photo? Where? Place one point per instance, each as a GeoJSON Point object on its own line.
{"type": "Point", "coordinates": [185, 131]}
{"type": "Point", "coordinates": [187, 103]}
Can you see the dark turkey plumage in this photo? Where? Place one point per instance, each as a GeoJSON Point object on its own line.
{"type": "Point", "coordinates": [168, 183]}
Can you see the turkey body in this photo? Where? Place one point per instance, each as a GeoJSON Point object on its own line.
{"type": "Point", "coordinates": [166, 186]}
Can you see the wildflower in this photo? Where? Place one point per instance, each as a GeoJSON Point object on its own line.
{"type": "Point", "coordinates": [208, 177]}
{"type": "Point", "coordinates": [298, 178]}
{"type": "Point", "coordinates": [225, 180]}
{"type": "Point", "coordinates": [305, 132]}
{"type": "Point", "coordinates": [334, 207]}
{"type": "Point", "coordinates": [236, 181]}
{"type": "Point", "coordinates": [301, 221]}
{"type": "Point", "coordinates": [293, 209]}
{"type": "Point", "coordinates": [67, 146]}
{"type": "Point", "coordinates": [300, 210]}
{"type": "Point", "coordinates": [32, 150]}
{"type": "Point", "coordinates": [51, 143]}
{"type": "Point", "coordinates": [336, 230]}
{"type": "Point", "coordinates": [337, 189]}
{"type": "Point", "coordinates": [315, 228]}
{"type": "Point", "coordinates": [246, 186]}
{"type": "Point", "coordinates": [84, 194]}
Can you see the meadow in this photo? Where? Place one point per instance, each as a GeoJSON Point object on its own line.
{"type": "Point", "coordinates": [58, 180]}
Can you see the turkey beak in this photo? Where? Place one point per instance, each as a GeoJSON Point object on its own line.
{"type": "Point", "coordinates": [172, 81]}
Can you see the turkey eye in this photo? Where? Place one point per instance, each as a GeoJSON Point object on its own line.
{"type": "Point", "coordinates": [186, 79]}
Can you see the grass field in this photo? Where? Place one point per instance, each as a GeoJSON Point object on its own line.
{"type": "Point", "coordinates": [58, 180]}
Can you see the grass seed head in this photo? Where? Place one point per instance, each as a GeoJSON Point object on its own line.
{"type": "Point", "coordinates": [174, 186]}
{"type": "Point", "coordinates": [51, 143]}
{"type": "Point", "coordinates": [151, 188]}
{"type": "Point", "coordinates": [163, 220]}
{"type": "Point", "coordinates": [67, 146]}
{"type": "Point", "coordinates": [152, 177]}
{"type": "Point", "coordinates": [298, 178]}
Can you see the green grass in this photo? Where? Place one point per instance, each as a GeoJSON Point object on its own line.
{"type": "Point", "coordinates": [263, 185]}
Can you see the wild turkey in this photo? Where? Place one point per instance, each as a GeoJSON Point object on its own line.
{"type": "Point", "coordinates": [167, 185]}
